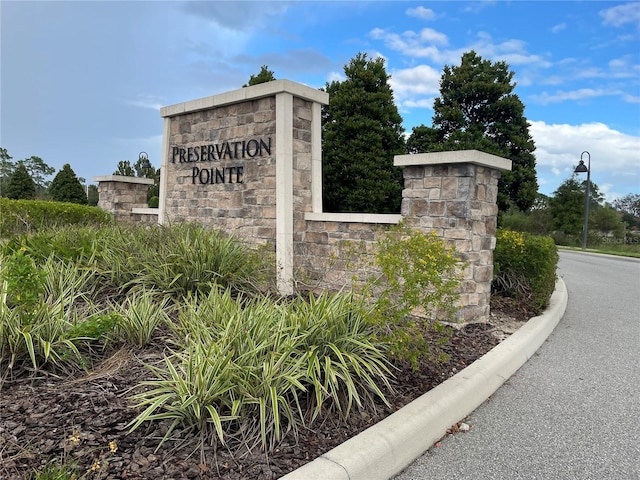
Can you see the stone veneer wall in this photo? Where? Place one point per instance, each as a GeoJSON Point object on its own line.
{"type": "Point", "coordinates": [248, 209]}
{"type": "Point", "coordinates": [302, 201]}
{"type": "Point", "coordinates": [119, 195]}
{"type": "Point", "coordinates": [453, 194]}
{"type": "Point", "coordinates": [458, 202]}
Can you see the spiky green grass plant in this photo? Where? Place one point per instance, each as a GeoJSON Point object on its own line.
{"type": "Point", "coordinates": [37, 313]}
{"type": "Point", "coordinates": [254, 369]}
{"type": "Point", "coordinates": [139, 316]}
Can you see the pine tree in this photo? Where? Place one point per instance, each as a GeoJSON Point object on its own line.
{"type": "Point", "coordinates": [21, 186]}
{"type": "Point", "coordinates": [477, 109]}
{"type": "Point", "coordinates": [264, 76]}
{"type": "Point", "coordinates": [66, 187]}
{"type": "Point", "coordinates": [362, 131]}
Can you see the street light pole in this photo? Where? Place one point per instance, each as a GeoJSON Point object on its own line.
{"type": "Point", "coordinates": [581, 168]}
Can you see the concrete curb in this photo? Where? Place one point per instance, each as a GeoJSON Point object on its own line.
{"type": "Point", "coordinates": [385, 449]}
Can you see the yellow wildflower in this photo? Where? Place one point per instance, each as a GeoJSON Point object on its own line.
{"type": "Point", "coordinates": [95, 467]}
{"type": "Point", "coordinates": [113, 446]}
{"type": "Point", "coordinates": [75, 438]}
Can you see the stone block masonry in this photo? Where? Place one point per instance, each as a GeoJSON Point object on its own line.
{"type": "Point", "coordinates": [249, 162]}
{"type": "Point", "coordinates": [121, 195]}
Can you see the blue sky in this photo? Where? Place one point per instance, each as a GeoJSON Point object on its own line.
{"type": "Point", "coordinates": [82, 82]}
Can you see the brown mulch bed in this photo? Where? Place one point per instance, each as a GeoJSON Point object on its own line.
{"type": "Point", "coordinates": [44, 419]}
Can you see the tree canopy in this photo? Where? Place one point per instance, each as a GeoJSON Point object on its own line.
{"type": "Point", "coordinates": [66, 187]}
{"type": "Point", "coordinates": [362, 131]}
{"type": "Point", "coordinates": [477, 109]}
{"type": "Point", "coordinates": [265, 75]}
{"type": "Point", "coordinates": [20, 185]}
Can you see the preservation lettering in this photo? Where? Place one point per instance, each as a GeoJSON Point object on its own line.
{"type": "Point", "coordinates": [238, 150]}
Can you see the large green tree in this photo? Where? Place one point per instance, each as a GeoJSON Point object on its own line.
{"type": "Point", "coordinates": [20, 185]}
{"type": "Point", "coordinates": [567, 206]}
{"type": "Point", "coordinates": [477, 109]}
{"type": "Point", "coordinates": [6, 170]}
{"type": "Point", "coordinates": [35, 167]}
{"type": "Point", "coordinates": [362, 131]}
{"type": "Point", "coordinates": [124, 168]}
{"type": "Point", "coordinates": [66, 187]}
{"type": "Point", "coordinates": [629, 207]}
{"type": "Point", "coordinates": [265, 75]}
{"type": "Point", "coordinates": [39, 171]}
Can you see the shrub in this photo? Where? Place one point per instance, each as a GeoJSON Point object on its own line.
{"type": "Point", "coordinates": [34, 323]}
{"type": "Point", "coordinates": [24, 216]}
{"type": "Point", "coordinates": [254, 369]}
{"type": "Point", "coordinates": [175, 260]}
{"type": "Point", "coordinates": [183, 259]}
{"type": "Point", "coordinates": [525, 268]}
{"type": "Point", "coordinates": [139, 316]}
{"type": "Point", "coordinates": [413, 280]}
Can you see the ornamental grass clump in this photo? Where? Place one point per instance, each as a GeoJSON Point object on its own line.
{"type": "Point", "coordinates": [182, 260]}
{"type": "Point", "coordinates": [38, 309]}
{"type": "Point", "coordinates": [139, 316]}
{"type": "Point", "coordinates": [250, 370]}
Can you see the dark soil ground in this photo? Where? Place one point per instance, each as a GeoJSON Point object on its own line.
{"type": "Point", "coordinates": [82, 421]}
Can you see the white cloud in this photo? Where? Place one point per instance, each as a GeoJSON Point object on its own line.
{"type": "Point", "coordinates": [412, 44]}
{"type": "Point", "coordinates": [562, 96]}
{"type": "Point", "coordinates": [615, 157]}
{"type": "Point", "coordinates": [421, 103]}
{"type": "Point", "coordinates": [621, 14]}
{"type": "Point", "coordinates": [421, 12]}
{"type": "Point", "coordinates": [336, 77]}
{"type": "Point", "coordinates": [147, 101]}
{"type": "Point", "coordinates": [419, 80]}
{"type": "Point", "coordinates": [430, 35]}
{"type": "Point", "coordinates": [558, 28]}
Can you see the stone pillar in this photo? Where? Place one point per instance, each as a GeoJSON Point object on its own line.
{"type": "Point", "coordinates": [119, 195]}
{"type": "Point", "coordinates": [241, 161]}
{"type": "Point", "coordinates": [455, 195]}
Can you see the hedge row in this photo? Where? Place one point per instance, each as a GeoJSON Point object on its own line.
{"type": "Point", "coordinates": [25, 216]}
{"type": "Point", "coordinates": [525, 268]}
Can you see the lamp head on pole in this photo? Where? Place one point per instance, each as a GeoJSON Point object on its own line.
{"type": "Point", "coordinates": [144, 161]}
{"type": "Point", "coordinates": [581, 168]}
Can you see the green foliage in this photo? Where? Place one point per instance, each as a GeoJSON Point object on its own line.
{"type": "Point", "coordinates": [253, 369]}
{"type": "Point", "coordinates": [265, 75]}
{"type": "Point", "coordinates": [525, 268]}
{"type": "Point", "coordinates": [34, 324]}
{"type": "Point", "coordinates": [99, 326]}
{"type": "Point", "coordinates": [125, 169]}
{"type": "Point", "coordinates": [477, 109]}
{"type": "Point", "coordinates": [36, 169]}
{"type": "Point", "coordinates": [537, 221]}
{"type": "Point", "coordinates": [180, 260]}
{"type": "Point", "coordinates": [92, 195]}
{"type": "Point", "coordinates": [419, 284]}
{"type": "Point", "coordinates": [629, 207]}
{"type": "Point", "coordinates": [21, 186]}
{"type": "Point", "coordinates": [66, 187]}
{"type": "Point", "coordinates": [362, 131]}
{"type": "Point", "coordinates": [139, 316]}
{"type": "Point", "coordinates": [24, 282]}
{"type": "Point", "coordinates": [24, 216]}
{"type": "Point", "coordinates": [55, 471]}
{"type": "Point", "coordinates": [423, 139]}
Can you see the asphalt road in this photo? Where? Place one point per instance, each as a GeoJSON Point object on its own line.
{"type": "Point", "coordinates": [573, 410]}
